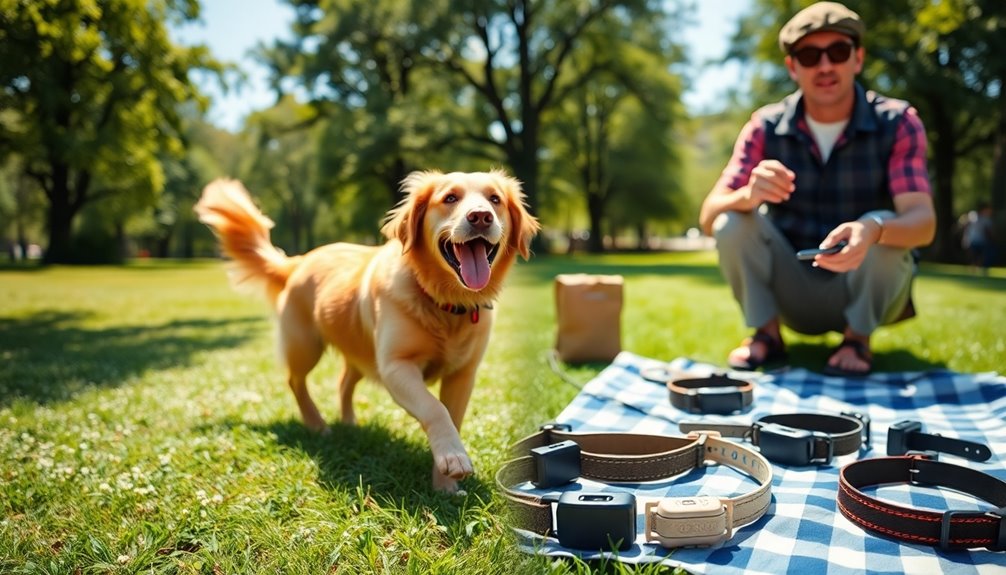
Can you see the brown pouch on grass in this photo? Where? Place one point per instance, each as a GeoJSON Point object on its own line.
{"type": "Point", "coordinates": [588, 313]}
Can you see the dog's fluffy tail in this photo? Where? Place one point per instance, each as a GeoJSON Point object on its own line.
{"type": "Point", "coordinates": [243, 230]}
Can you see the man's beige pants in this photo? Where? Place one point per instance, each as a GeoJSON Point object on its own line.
{"type": "Point", "coordinates": [768, 281]}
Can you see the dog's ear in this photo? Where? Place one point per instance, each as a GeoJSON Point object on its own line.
{"type": "Point", "coordinates": [524, 225]}
{"type": "Point", "coordinates": [405, 220]}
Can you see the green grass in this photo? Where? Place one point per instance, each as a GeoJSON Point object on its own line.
{"type": "Point", "coordinates": [145, 426]}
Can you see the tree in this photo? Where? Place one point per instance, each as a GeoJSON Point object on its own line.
{"type": "Point", "coordinates": [615, 129]}
{"type": "Point", "coordinates": [91, 90]}
{"type": "Point", "coordinates": [517, 56]}
{"type": "Point", "coordinates": [360, 59]}
{"type": "Point", "coordinates": [21, 208]}
{"type": "Point", "coordinates": [281, 167]}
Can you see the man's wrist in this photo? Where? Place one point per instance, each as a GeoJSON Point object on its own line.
{"type": "Point", "coordinates": [879, 221]}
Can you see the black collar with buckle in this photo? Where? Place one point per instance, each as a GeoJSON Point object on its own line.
{"type": "Point", "coordinates": [797, 439]}
{"type": "Point", "coordinates": [906, 437]}
{"type": "Point", "coordinates": [604, 520]}
{"type": "Point", "coordinates": [948, 529]}
{"type": "Point", "coordinates": [719, 393]}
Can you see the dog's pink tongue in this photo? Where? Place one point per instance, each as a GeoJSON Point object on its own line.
{"type": "Point", "coordinates": [474, 264]}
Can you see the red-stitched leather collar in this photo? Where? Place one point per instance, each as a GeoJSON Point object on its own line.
{"type": "Point", "coordinates": [948, 530]}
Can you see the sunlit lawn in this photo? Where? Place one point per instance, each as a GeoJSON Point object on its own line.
{"type": "Point", "coordinates": [146, 428]}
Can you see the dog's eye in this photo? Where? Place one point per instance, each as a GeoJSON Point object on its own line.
{"type": "Point", "coordinates": [450, 198]}
{"type": "Point", "coordinates": [495, 198]}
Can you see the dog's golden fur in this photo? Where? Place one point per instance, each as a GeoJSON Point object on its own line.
{"type": "Point", "coordinates": [383, 307]}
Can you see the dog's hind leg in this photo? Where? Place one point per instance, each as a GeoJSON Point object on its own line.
{"type": "Point", "coordinates": [347, 384]}
{"type": "Point", "coordinates": [302, 353]}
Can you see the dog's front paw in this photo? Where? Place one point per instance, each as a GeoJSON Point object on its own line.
{"type": "Point", "coordinates": [445, 484]}
{"type": "Point", "coordinates": [454, 464]}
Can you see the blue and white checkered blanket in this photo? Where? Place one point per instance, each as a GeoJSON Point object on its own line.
{"type": "Point", "coordinates": [803, 530]}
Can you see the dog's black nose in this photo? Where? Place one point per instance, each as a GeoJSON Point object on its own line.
{"type": "Point", "coordinates": [480, 219]}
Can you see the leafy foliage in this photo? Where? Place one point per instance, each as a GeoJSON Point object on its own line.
{"type": "Point", "coordinates": [91, 93]}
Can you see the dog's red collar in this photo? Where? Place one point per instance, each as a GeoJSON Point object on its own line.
{"type": "Point", "coordinates": [457, 309]}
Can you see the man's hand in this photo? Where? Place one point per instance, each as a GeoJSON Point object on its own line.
{"type": "Point", "coordinates": [770, 182]}
{"type": "Point", "coordinates": [859, 235]}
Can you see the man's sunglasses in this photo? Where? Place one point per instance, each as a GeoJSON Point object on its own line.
{"type": "Point", "coordinates": [810, 56]}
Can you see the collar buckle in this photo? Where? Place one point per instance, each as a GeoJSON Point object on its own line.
{"type": "Point", "coordinates": [699, 521]}
{"type": "Point", "coordinates": [864, 419]}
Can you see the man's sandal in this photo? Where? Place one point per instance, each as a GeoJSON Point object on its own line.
{"type": "Point", "coordinates": [775, 351]}
{"type": "Point", "coordinates": [862, 352]}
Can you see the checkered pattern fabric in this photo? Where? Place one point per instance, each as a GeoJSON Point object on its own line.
{"type": "Point", "coordinates": [803, 530]}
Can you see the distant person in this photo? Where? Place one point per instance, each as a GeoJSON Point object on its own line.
{"type": "Point", "coordinates": [831, 162]}
{"type": "Point", "coordinates": [978, 238]}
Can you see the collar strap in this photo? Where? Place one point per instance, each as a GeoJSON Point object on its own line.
{"type": "Point", "coordinates": [555, 456]}
{"type": "Point", "coordinates": [718, 393]}
{"type": "Point", "coordinates": [456, 309]}
{"type": "Point", "coordinates": [905, 437]}
{"type": "Point", "coordinates": [798, 438]}
{"type": "Point", "coordinates": [948, 529]}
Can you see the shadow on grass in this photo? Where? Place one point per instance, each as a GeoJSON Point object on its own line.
{"type": "Point", "coordinates": [813, 357]}
{"type": "Point", "coordinates": [49, 357]}
{"type": "Point", "coordinates": [393, 468]}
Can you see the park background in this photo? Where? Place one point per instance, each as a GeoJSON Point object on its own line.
{"type": "Point", "coordinates": [617, 115]}
{"type": "Point", "coordinates": [144, 423]}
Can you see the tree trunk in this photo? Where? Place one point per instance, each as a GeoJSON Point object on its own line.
{"type": "Point", "coordinates": [595, 211]}
{"type": "Point", "coordinates": [944, 162]}
{"type": "Point", "coordinates": [998, 192]}
{"type": "Point", "coordinates": [643, 240]}
{"type": "Point", "coordinates": [60, 218]}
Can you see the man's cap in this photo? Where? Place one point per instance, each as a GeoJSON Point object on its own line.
{"type": "Point", "coordinates": [821, 17]}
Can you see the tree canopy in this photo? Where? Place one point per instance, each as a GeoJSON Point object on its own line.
{"type": "Point", "coordinates": [91, 97]}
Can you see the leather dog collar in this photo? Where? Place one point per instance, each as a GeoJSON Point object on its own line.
{"type": "Point", "coordinates": [906, 437]}
{"type": "Point", "coordinates": [556, 456]}
{"type": "Point", "coordinates": [456, 309]}
{"type": "Point", "coordinates": [949, 529]}
{"type": "Point", "coordinates": [719, 394]}
{"type": "Point", "coordinates": [797, 438]}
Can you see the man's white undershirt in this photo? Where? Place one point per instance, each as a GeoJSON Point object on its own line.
{"type": "Point", "coordinates": [826, 134]}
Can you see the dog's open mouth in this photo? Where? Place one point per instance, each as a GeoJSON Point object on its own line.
{"type": "Point", "coordinates": [471, 260]}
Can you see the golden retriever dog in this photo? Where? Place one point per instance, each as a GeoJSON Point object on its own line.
{"type": "Point", "coordinates": [405, 314]}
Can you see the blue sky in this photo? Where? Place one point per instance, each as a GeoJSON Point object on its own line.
{"type": "Point", "coordinates": [231, 28]}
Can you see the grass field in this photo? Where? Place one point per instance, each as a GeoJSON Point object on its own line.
{"type": "Point", "coordinates": [145, 426]}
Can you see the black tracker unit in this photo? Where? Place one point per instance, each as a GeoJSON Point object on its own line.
{"type": "Point", "coordinates": [584, 520]}
{"type": "Point", "coordinates": [791, 446]}
{"type": "Point", "coordinates": [906, 437]}
{"type": "Point", "coordinates": [556, 464]}
{"type": "Point", "coordinates": [596, 521]}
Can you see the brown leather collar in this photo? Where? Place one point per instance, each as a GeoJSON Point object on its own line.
{"type": "Point", "coordinates": [949, 529]}
{"type": "Point", "coordinates": [630, 457]}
